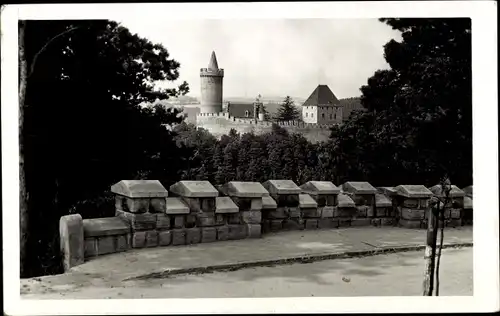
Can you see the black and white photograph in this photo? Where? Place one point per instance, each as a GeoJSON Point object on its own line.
{"type": "Point", "coordinates": [315, 157]}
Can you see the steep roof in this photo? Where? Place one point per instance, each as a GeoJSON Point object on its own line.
{"type": "Point", "coordinates": [321, 96]}
{"type": "Point", "coordinates": [237, 109]}
{"type": "Point", "coordinates": [213, 62]}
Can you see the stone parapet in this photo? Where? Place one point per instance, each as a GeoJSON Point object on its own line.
{"type": "Point", "coordinates": [146, 216]}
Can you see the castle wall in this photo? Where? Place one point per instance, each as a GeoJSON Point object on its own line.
{"type": "Point", "coordinates": [220, 124]}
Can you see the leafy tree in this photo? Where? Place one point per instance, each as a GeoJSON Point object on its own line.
{"type": "Point", "coordinates": [418, 120]}
{"type": "Point", "coordinates": [85, 123]}
{"type": "Point", "coordinates": [287, 111]}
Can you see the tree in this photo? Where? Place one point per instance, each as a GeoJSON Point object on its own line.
{"type": "Point", "coordinates": [417, 123]}
{"type": "Point", "coordinates": [85, 126]}
{"type": "Point", "coordinates": [287, 111]}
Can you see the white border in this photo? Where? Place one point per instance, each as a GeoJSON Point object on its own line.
{"type": "Point", "coordinates": [484, 63]}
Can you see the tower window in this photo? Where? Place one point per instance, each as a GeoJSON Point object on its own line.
{"type": "Point", "coordinates": [247, 114]}
{"type": "Point", "coordinates": [335, 117]}
{"type": "Point", "coordinates": [307, 114]}
{"type": "Point", "coordinates": [312, 114]}
{"type": "Point", "coordinates": [322, 115]}
{"type": "Point", "coordinates": [330, 116]}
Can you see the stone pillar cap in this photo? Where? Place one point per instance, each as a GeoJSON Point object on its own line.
{"type": "Point", "coordinates": [468, 190]}
{"type": "Point", "coordinates": [245, 189]}
{"type": "Point", "coordinates": [139, 189]}
{"type": "Point", "coordinates": [224, 204]}
{"type": "Point", "coordinates": [306, 201]}
{"type": "Point", "coordinates": [320, 187]}
{"type": "Point", "coordinates": [194, 189]}
{"type": "Point", "coordinates": [359, 187]}
{"type": "Point", "coordinates": [176, 205]}
{"type": "Point", "coordinates": [382, 201]}
{"type": "Point", "coordinates": [281, 187]}
{"type": "Point", "coordinates": [413, 191]}
{"type": "Point", "coordinates": [268, 203]}
{"type": "Point", "coordinates": [455, 191]}
{"type": "Point", "coordinates": [467, 203]}
{"type": "Point", "coordinates": [389, 191]}
{"type": "Point", "coordinates": [345, 201]}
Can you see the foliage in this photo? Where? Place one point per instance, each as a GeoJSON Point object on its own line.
{"type": "Point", "coordinates": [288, 111]}
{"type": "Point", "coordinates": [418, 120]}
{"type": "Point", "coordinates": [86, 126]}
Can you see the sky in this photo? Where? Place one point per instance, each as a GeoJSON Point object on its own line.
{"type": "Point", "coordinates": [273, 57]}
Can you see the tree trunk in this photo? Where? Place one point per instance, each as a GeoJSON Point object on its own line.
{"type": "Point", "coordinates": [23, 197]}
{"type": "Point", "coordinates": [430, 252]}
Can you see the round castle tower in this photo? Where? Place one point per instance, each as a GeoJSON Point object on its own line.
{"type": "Point", "coordinates": [211, 87]}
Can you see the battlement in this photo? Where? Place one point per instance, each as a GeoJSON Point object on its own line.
{"type": "Point", "coordinates": [207, 72]}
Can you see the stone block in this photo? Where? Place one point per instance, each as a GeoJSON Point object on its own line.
{"type": "Point", "coordinates": [251, 217]}
{"type": "Point", "coordinates": [106, 245]}
{"type": "Point", "coordinates": [387, 221]}
{"type": "Point", "coordinates": [90, 247]}
{"type": "Point", "coordinates": [293, 224]}
{"type": "Point", "coordinates": [234, 219]}
{"type": "Point", "coordinates": [411, 203]}
{"type": "Point", "coordinates": [136, 205]}
{"type": "Point", "coordinates": [370, 211]}
{"type": "Point", "coordinates": [455, 213]}
{"type": "Point", "coordinates": [454, 223]}
{"type": "Point", "coordinates": [119, 202]}
{"type": "Point", "coordinates": [190, 220]}
{"type": "Point", "coordinates": [326, 223]}
{"type": "Point", "coordinates": [377, 222]}
{"type": "Point", "coordinates": [357, 222]}
{"type": "Point", "coordinates": [414, 224]}
{"type": "Point", "coordinates": [71, 240]}
{"type": "Point", "coordinates": [412, 214]}
{"type": "Point", "coordinates": [193, 236]}
{"type": "Point", "coordinates": [162, 222]}
{"type": "Point", "coordinates": [276, 225]}
{"type": "Point", "coordinates": [205, 219]}
{"type": "Point", "coordinates": [140, 189]}
{"type": "Point", "coordinates": [194, 204]}
{"type": "Point", "coordinates": [122, 242]}
{"type": "Point", "coordinates": [245, 189]}
{"type": "Point", "coordinates": [151, 238]}
{"type": "Point", "coordinates": [361, 211]}
{"type": "Point", "coordinates": [208, 204]}
{"type": "Point", "coordinates": [164, 238]}
{"type": "Point", "coordinates": [225, 205]}
{"type": "Point", "coordinates": [158, 205]}
{"type": "Point", "coordinates": [237, 232]}
{"type": "Point", "coordinates": [139, 239]}
{"type": "Point", "coordinates": [363, 199]}
{"type": "Point", "coordinates": [177, 206]}
{"type": "Point", "coordinates": [220, 219]}
{"type": "Point", "coordinates": [208, 234]}
{"type": "Point", "coordinates": [266, 226]}
{"type": "Point", "coordinates": [344, 222]}
{"type": "Point", "coordinates": [281, 187]}
{"type": "Point", "coordinates": [311, 212]}
{"type": "Point", "coordinates": [279, 213]}
{"type": "Point", "coordinates": [382, 201]}
{"type": "Point", "coordinates": [194, 189]}
{"type": "Point", "coordinates": [253, 230]}
{"type": "Point", "coordinates": [178, 237]}
{"type": "Point", "coordinates": [311, 223]}
{"type": "Point", "coordinates": [326, 211]}
{"type": "Point", "coordinates": [291, 200]}
{"type": "Point", "coordinates": [223, 233]}
{"type": "Point", "coordinates": [107, 226]}
{"type": "Point", "coordinates": [178, 221]}
{"type": "Point", "coordinates": [344, 212]}
{"type": "Point", "coordinates": [139, 222]}
{"type": "Point", "coordinates": [294, 212]}
{"type": "Point", "coordinates": [381, 212]}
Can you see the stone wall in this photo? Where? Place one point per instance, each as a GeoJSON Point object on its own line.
{"type": "Point", "coordinates": [220, 124]}
{"type": "Point", "coordinates": [191, 212]}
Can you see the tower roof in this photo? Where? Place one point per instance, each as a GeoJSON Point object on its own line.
{"type": "Point", "coordinates": [213, 62]}
{"type": "Point", "coordinates": [321, 96]}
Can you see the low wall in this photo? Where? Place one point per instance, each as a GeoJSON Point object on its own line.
{"type": "Point", "coordinates": [220, 124]}
{"type": "Point", "coordinates": [197, 212]}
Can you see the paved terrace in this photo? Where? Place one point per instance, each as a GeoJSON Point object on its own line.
{"type": "Point", "coordinates": [280, 248]}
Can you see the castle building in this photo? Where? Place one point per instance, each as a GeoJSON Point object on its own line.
{"type": "Point", "coordinates": [211, 87]}
{"type": "Point", "coordinates": [322, 107]}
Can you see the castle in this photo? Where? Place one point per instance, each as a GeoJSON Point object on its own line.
{"type": "Point", "coordinates": [320, 111]}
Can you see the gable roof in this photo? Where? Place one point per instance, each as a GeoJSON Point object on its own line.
{"type": "Point", "coordinates": [321, 96]}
